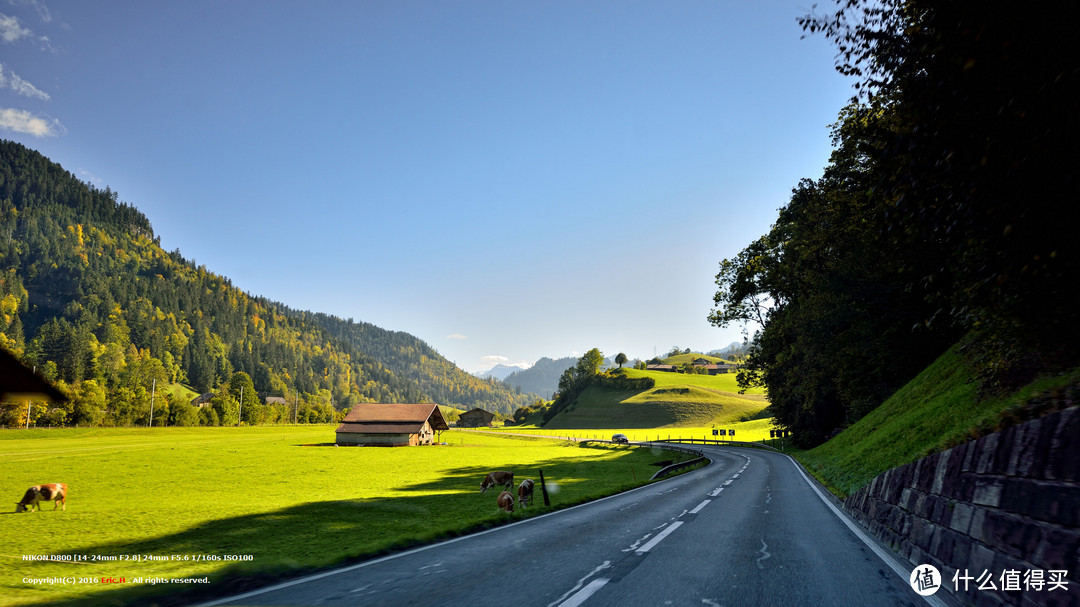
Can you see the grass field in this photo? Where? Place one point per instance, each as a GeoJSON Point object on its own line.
{"type": "Point", "coordinates": [186, 497]}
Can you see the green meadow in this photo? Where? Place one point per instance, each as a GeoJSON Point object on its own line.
{"type": "Point", "coordinates": [232, 504]}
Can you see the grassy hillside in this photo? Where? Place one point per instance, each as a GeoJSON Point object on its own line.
{"type": "Point", "coordinates": [935, 411]}
{"type": "Point", "coordinates": [168, 493]}
{"type": "Point", "coordinates": [677, 400]}
{"type": "Point", "coordinates": [689, 358]}
{"type": "Point", "coordinates": [725, 382]}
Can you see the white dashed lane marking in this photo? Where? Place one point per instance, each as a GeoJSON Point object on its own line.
{"type": "Point", "coordinates": [659, 538]}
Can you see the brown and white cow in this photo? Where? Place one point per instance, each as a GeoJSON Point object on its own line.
{"type": "Point", "coordinates": [500, 477]}
{"type": "Point", "coordinates": [56, 492]}
{"type": "Point", "coordinates": [525, 492]}
{"type": "Point", "coordinates": [506, 501]}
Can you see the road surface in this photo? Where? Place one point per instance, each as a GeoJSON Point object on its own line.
{"type": "Point", "coordinates": [749, 529]}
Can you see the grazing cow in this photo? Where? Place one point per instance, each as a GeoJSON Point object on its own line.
{"type": "Point", "coordinates": [56, 492]}
{"type": "Point", "coordinates": [525, 490]}
{"type": "Point", "coordinates": [501, 477]}
{"type": "Point", "coordinates": [506, 501]}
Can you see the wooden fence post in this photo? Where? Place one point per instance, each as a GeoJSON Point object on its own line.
{"type": "Point", "coordinates": [543, 489]}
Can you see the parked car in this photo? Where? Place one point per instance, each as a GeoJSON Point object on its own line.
{"type": "Point", "coordinates": [619, 438]}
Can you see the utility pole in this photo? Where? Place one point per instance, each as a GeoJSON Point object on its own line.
{"type": "Point", "coordinates": [240, 411]}
{"type": "Point", "coordinates": [28, 405]}
{"type": "Point", "coordinates": [153, 391]}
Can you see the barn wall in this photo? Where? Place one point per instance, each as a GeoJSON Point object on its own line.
{"type": "Point", "coordinates": [352, 438]}
{"type": "Point", "coordinates": [475, 420]}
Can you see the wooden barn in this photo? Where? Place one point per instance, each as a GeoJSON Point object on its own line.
{"type": "Point", "coordinates": [391, 425]}
{"type": "Point", "coordinates": [476, 418]}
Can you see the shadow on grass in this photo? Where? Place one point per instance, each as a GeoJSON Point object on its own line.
{"type": "Point", "coordinates": [314, 536]}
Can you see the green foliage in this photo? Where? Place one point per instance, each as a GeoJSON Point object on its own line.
{"type": "Point", "coordinates": [968, 108]}
{"type": "Point", "coordinates": [574, 380]}
{"type": "Point", "coordinates": [941, 213]}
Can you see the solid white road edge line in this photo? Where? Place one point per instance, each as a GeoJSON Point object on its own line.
{"type": "Point", "coordinates": [659, 537]}
{"type": "Point", "coordinates": [884, 556]}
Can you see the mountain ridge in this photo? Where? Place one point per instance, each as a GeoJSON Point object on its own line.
{"type": "Point", "coordinates": [88, 295]}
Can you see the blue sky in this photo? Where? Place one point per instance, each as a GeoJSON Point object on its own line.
{"type": "Point", "coordinates": [504, 180]}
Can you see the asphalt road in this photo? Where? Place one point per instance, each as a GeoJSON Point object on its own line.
{"type": "Point", "coordinates": [749, 529]}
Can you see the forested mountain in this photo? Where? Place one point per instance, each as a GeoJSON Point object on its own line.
{"type": "Point", "coordinates": [541, 378]}
{"type": "Point", "coordinates": [88, 296]}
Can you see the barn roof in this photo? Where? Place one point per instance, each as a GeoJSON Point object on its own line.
{"type": "Point", "coordinates": [395, 418]}
{"type": "Point", "coordinates": [17, 381]}
{"type": "Point", "coordinates": [478, 411]}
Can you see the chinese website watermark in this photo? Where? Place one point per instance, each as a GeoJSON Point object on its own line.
{"type": "Point", "coordinates": [926, 580]}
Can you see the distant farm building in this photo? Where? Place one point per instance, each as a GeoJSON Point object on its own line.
{"type": "Point", "coordinates": [202, 400]}
{"type": "Point", "coordinates": [717, 369]}
{"type": "Point", "coordinates": [667, 368]}
{"type": "Point", "coordinates": [391, 425]}
{"type": "Point", "coordinates": [276, 400]}
{"type": "Point", "coordinates": [475, 419]}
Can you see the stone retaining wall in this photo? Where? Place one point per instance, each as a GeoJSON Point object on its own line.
{"type": "Point", "coordinates": [1006, 502]}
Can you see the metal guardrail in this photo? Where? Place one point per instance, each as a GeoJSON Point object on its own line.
{"type": "Point", "coordinates": [673, 467]}
{"type": "Point", "coordinates": [720, 443]}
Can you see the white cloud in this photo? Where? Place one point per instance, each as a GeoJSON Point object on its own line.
{"type": "Point", "coordinates": [22, 121]}
{"type": "Point", "coordinates": [15, 82]}
{"type": "Point", "coordinates": [10, 30]}
{"type": "Point", "coordinates": [42, 10]}
{"type": "Point", "coordinates": [456, 336]}
{"type": "Point", "coordinates": [494, 359]}
{"type": "Point", "coordinates": [90, 177]}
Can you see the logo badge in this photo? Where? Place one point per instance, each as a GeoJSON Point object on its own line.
{"type": "Point", "coordinates": [925, 580]}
